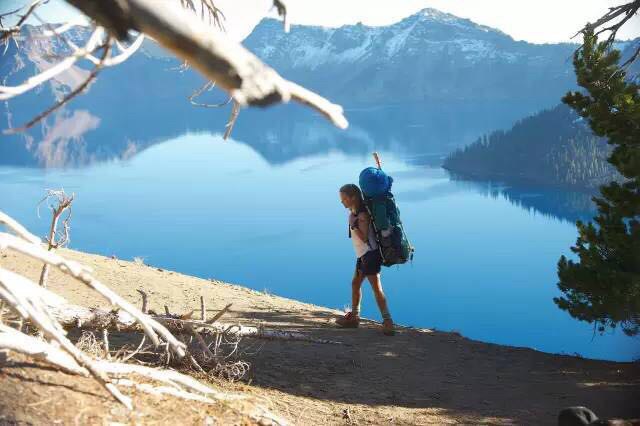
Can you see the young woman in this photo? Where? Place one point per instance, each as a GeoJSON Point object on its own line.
{"type": "Point", "coordinates": [368, 261]}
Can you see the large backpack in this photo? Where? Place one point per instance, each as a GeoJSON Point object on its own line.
{"type": "Point", "coordinates": [393, 243]}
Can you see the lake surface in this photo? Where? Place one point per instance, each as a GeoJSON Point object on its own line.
{"type": "Point", "coordinates": [486, 254]}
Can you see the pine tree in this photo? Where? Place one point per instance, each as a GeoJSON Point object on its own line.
{"type": "Point", "coordinates": [603, 286]}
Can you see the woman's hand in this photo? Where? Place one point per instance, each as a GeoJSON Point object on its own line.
{"type": "Point", "coordinates": [353, 221]}
{"type": "Point", "coordinates": [362, 227]}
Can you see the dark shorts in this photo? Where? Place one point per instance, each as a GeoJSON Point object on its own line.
{"type": "Point", "coordinates": [369, 263]}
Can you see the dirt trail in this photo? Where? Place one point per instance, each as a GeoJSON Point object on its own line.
{"type": "Point", "coordinates": [419, 376]}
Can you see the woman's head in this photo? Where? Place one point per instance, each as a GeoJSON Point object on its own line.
{"type": "Point", "coordinates": [350, 196]}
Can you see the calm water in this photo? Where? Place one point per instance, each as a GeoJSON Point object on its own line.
{"type": "Point", "coordinates": [486, 255]}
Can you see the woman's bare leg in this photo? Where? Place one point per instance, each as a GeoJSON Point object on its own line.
{"type": "Point", "coordinates": [381, 299]}
{"type": "Point", "coordinates": [356, 292]}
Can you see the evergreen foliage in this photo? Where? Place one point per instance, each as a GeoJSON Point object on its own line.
{"type": "Point", "coordinates": [603, 285]}
{"type": "Point", "coordinates": [553, 147]}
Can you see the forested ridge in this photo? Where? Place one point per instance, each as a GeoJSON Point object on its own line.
{"type": "Point", "coordinates": [552, 147]}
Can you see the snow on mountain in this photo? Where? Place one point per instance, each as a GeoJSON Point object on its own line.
{"type": "Point", "coordinates": [428, 55]}
{"type": "Point", "coordinates": [429, 31]}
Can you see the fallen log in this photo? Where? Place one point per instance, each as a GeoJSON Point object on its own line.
{"type": "Point", "coordinates": [75, 316]}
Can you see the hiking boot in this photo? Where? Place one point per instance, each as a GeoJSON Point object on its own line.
{"type": "Point", "coordinates": [348, 321]}
{"type": "Point", "coordinates": [387, 327]}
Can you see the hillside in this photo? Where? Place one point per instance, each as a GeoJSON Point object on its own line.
{"type": "Point", "coordinates": [419, 376]}
{"type": "Point", "coordinates": [553, 147]}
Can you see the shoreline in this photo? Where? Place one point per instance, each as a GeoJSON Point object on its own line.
{"type": "Point", "coordinates": [72, 253]}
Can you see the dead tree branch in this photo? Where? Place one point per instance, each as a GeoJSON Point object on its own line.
{"type": "Point", "coordinates": [152, 328]}
{"type": "Point", "coordinates": [18, 229]}
{"type": "Point", "coordinates": [7, 92]}
{"type": "Point", "coordinates": [205, 88]}
{"type": "Point", "coordinates": [235, 111]}
{"type": "Point", "coordinates": [281, 7]}
{"type": "Point", "coordinates": [121, 374]}
{"type": "Point", "coordinates": [6, 33]}
{"type": "Point", "coordinates": [19, 293]}
{"type": "Point", "coordinates": [619, 15]}
{"type": "Point", "coordinates": [219, 59]}
{"type": "Point", "coordinates": [53, 240]}
{"type": "Point", "coordinates": [217, 316]}
{"type": "Point", "coordinates": [12, 339]}
{"type": "Point", "coordinates": [43, 309]}
{"type": "Point", "coordinates": [106, 48]}
{"type": "Point", "coordinates": [176, 27]}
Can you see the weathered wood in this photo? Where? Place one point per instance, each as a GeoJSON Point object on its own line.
{"type": "Point", "coordinates": [42, 309]}
{"type": "Point", "coordinates": [217, 316]}
{"type": "Point", "coordinates": [18, 292]}
{"type": "Point", "coordinates": [144, 301]}
{"type": "Point", "coordinates": [63, 203]}
{"type": "Point", "coordinates": [13, 340]}
{"type": "Point", "coordinates": [74, 316]}
{"type": "Point", "coordinates": [18, 229]}
{"type": "Point", "coordinates": [216, 56]}
{"type": "Point", "coordinates": [83, 274]}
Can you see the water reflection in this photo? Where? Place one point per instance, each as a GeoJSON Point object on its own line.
{"type": "Point", "coordinates": [102, 127]}
{"type": "Point", "coordinates": [557, 203]}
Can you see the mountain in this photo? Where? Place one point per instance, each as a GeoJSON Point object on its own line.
{"type": "Point", "coordinates": [430, 56]}
{"type": "Point", "coordinates": [425, 85]}
{"type": "Point", "coordinates": [126, 109]}
{"type": "Point", "coordinates": [554, 147]}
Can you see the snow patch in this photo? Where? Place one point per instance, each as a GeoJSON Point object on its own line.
{"type": "Point", "coordinates": [396, 42]}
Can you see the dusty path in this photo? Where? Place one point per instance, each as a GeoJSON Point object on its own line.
{"type": "Point", "coordinates": [416, 377]}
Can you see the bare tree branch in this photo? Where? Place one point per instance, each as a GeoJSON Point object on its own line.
{"type": "Point", "coordinates": [235, 111]}
{"type": "Point", "coordinates": [217, 316]}
{"type": "Point", "coordinates": [12, 339]}
{"type": "Point", "coordinates": [15, 289]}
{"type": "Point", "coordinates": [82, 274]}
{"type": "Point", "coordinates": [205, 88]}
{"type": "Point", "coordinates": [207, 9]}
{"type": "Point", "coordinates": [58, 30]}
{"type": "Point", "coordinates": [18, 229]}
{"type": "Point", "coordinates": [6, 33]}
{"type": "Point", "coordinates": [7, 92]}
{"type": "Point", "coordinates": [234, 68]}
{"type": "Point", "coordinates": [281, 7]}
{"type": "Point", "coordinates": [63, 202]}
{"type": "Point", "coordinates": [126, 52]}
{"type": "Point", "coordinates": [106, 48]}
{"type": "Point", "coordinates": [626, 11]}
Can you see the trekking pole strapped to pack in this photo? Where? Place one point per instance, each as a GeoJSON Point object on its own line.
{"type": "Point", "coordinates": [393, 243]}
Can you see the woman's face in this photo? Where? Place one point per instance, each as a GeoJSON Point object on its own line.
{"type": "Point", "coordinates": [346, 201]}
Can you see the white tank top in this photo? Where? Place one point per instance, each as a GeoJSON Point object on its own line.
{"type": "Point", "coordinates": [361, 247]}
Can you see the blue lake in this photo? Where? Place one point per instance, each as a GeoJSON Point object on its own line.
{"type": "Point", "coordinates": [485, 261]}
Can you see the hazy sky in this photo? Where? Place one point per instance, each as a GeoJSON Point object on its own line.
{"type": "Point", "coordinates": [540, 21]}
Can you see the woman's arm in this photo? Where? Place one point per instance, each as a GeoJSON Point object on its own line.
{"type": "Point", "coordinates": [362, 230]}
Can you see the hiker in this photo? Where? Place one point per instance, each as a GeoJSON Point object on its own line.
{"type": "Point", "coordinates": [369, 260]}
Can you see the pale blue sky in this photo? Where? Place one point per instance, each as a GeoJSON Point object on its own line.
{"type": "Point", "coordinates": [540, 21]}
